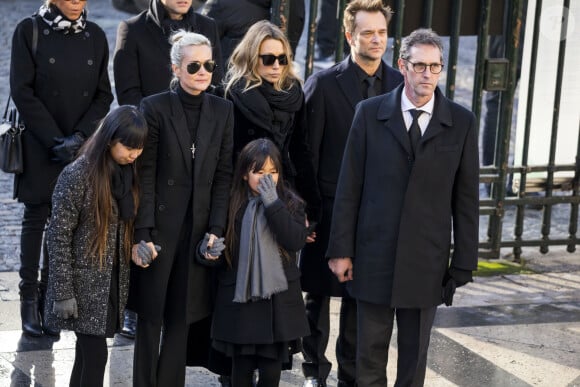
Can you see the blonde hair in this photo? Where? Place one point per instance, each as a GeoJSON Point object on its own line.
{"type": "Point", "coordinates": [371, 6]}
{"type": "Point", "coordinates": [179, 40]}
{"type": "Point", "coordinates": [244, 61]}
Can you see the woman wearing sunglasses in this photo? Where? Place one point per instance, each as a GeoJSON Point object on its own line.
{"type": "Point", "coordinates": [185, 171]}
{"type": "Point", "coordinates": [269, 102]}
{"type": "Point", "coordinates": [60, 85]}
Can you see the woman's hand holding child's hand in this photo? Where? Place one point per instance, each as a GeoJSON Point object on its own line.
{"type": "Point", "coordinates": [211, 247]}
{"type": "Point", "coordinates": [144, 253]}
{"type": "Point", "coordinates": [267, 190]}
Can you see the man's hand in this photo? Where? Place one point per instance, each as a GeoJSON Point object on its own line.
{"type": "Point", "coordinates": [342, 268]}
{"type": "Point", "coordinates": [143, 253]}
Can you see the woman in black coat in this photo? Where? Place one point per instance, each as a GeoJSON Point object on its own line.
{"type": "Point", "coordinates": [185, 171]}
{"type": "Point", "coordinates": [269, 102]}
{"type": "Point", "coordinates": [61, 87]}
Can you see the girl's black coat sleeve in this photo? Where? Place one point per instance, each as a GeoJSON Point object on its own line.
{"type": "Point", "coordinates": [289, 229]}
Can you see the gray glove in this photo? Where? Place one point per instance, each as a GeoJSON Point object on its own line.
{"type": "Point", "coordinates": [216, 248]}
{"type": "Point", "coordinates": [65, 309]}
{"type": "Point", "coordinates": [67, 147]}
{"type": "Point", "coordinates": [145, 253]}
{"type": "Point", "coordinates": [267, 190]}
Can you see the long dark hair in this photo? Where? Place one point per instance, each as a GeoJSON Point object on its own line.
{"type": "Point", "coordinates": [252, 158]}
{"type": "Point", "coordinates": [125, 125]}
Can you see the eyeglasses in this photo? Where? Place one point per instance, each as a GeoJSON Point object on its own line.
{"type": "Point", "coordinates": [435, 68]}
{"type": "Point", "coordinates": [269, 59]}
{"type": "Point", "coordinates": [194, 67]}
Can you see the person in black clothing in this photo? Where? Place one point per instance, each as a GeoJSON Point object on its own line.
{"type": "Point", "coordinates": [259, 287]}
{"type": "Point", "coordinates": [142, 66]}
{"type": "Point", "coordinates": [331, 98]}
{"type": "Point", "coordinates": [61, 88]}
{"type": "Point", "coordinates": [269, 102]}
{"type": "Point", "coordinates": [185, 173]}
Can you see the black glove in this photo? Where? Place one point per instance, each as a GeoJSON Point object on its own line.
{"type": "Point", "coordinates": [216, 248]}
{"type": "Point", "coordinates": [448, 291]}
{"type": "Point", "coordinates": [145, 253]}
{"type": "Point", "coordinates": [267, 190]}
{"type": "Point", "coordinates": [65, 309]}
{"type": "Point", "coordinates": [67, 147]}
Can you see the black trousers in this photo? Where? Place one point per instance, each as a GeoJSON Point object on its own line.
{"type": "Point", "coordinates": [375, 327]}
{"type": "Point", "coordinates": [90, 361]}
{"type": "Point", "coordinates": [314, 346]}
{"type": "Point", "coordinates": [34, 223]}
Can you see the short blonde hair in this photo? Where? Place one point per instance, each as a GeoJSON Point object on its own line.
{"type": "Point", "coordinates": [356, 6]}
{"type": "Point", "coordinates": [244, 60]}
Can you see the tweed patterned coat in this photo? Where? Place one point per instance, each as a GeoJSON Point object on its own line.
{"type": "Point", "coordinates": [72, 271]}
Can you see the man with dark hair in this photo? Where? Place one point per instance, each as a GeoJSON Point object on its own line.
{"type": "Point", "coordinates": [331, 97]}
{"type": "Point", "coordinates": [409, 176]}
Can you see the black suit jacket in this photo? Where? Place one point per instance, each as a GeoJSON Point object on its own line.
{"type": "Point", "coordinates": [393, 216]}
{"type": "Point", "coordinates": [141, 64]}
{"type": "Point", "coordinates": [331, 97]}
{"type": "Point", "coordinates": [165, 170]}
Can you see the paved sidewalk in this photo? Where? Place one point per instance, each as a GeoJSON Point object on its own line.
{"type": "Point", "coordinates": [513, 330]}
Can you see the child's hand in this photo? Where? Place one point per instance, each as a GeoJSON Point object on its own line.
{"type": "Point", "coordinates": [311, 237]}
{"type": "Point", "coordinates": [211, 247]}
{"type": "Point", "coordinates": [267, 190]}
{"type": "Point", "coordinates": [144, 253]}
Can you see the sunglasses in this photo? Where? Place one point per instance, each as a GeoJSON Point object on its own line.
{"type": "Point", "coordinates": [269, 59]}
{"type": "Point", "coordinates": [208, 65]}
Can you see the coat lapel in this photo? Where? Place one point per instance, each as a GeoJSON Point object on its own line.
{"type": "Point", "coordinates": [204, 133]}
{"type": "Point", "coordinates": [179, 125]}
{"type": "Point", "coordinates": [390, 112]}
{"type": "Point", "coordinates": [441, 117]}
{"type": "Point", "coordinates": [348, 81]}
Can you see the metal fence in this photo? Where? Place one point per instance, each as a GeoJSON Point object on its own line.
{"type": "Point", "coordinates": [485, 18]}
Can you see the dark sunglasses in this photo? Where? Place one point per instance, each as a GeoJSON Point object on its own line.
{"type": "Point", "coordinates": [269, 59]}
{"type": "Point", "coordinates": [194, 67]}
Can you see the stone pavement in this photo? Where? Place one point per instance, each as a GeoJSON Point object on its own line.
{"type": "Point", "coordinates": [512, 330]}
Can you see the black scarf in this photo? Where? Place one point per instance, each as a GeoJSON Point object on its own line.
{"type": "Point", "coordinates": [268, 108]}
{"type": "Point", "coordinates": [168, 25]}
{"type": "Point", "coordinates": [121, 188]}
{"type": "Point", "coordinates": [58, 22]}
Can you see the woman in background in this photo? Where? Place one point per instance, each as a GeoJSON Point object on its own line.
{"type": "Point", "coordinates": [60, 85]}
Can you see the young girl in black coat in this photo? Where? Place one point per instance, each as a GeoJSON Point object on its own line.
{"type": "Point", "coordinates": [259, 315]}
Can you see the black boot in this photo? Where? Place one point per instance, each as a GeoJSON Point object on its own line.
{"type": "Point", "coordinates": [47, 330]}
{"type": "Point", "coordinates": [30, 316]}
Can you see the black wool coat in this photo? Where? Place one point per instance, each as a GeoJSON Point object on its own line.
{"type": "Point", "coordinates": [62, 89]}
{"type": "Point", "coordinates": [141, 63]}
{"type": "Point", "coordinates": [170, 179]}
{"type": "Point", "coordinates": [393, 216]}
{"type": "Point", "coordinates": [331, 98]}
{"type": "Point", "coordinates": [281, 318]}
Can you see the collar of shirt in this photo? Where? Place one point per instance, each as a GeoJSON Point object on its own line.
{"type": "Point", "coordinates": [362, 75]}
{"type": "Point", "coordinates": [424, 118]}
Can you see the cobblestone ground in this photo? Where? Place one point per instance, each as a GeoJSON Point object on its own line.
{"type": "Point", "coordinates": [101, 12]}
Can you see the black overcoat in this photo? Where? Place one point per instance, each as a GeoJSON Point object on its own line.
{"type": "Point", "coordinates": [170, 178]}
{"type": "Point", "coordinates": [331, 98]}
{"type": "Point", "coordinates": [395, 217]}
{"type": "Point", "coordinates": [141, 63]}
{"type": "Point", "coordinates": [281, 318]}
{"type": "Point", "coordinates": [62, 89]}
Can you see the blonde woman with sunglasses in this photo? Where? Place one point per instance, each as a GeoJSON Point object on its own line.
{"type": "Point", "coordinates": [186, 171]}
{"type": "Point", "coordinates": [269, 102]}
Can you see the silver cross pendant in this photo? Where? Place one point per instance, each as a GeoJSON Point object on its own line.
{"type": "Point", "coordinates": [193, 150]}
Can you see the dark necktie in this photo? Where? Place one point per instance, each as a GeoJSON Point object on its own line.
{"type": "Point", "coordinates": [371, 88]}
{"type": "Point", "coordinates": [414, 129]}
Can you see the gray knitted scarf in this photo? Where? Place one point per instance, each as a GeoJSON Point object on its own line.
{"type": "Point", "coordinates": [260, 273]}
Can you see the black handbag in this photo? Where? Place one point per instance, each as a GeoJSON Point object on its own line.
{"type": "Point", "coordinates": [11, 160]}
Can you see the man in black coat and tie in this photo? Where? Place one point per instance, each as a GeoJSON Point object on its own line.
{"type": "Point", "coordinates": [331, 97]}
{"type": "Point", "coordinates": [398, 205]}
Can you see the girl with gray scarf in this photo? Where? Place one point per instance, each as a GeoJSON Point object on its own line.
{"type": "Point", "coordinates": [259, 288]}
